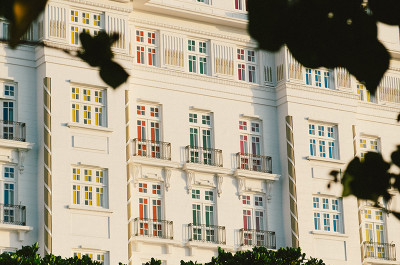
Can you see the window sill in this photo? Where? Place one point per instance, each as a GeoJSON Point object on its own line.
{"type": "Point", "coordinates": [329, 234]}
{"type": "Point", "coordinates": [89, 127]}
{"type": "Point", "coordinates": [89, 209]}
{"type": "Point", "coordinates": [328, 160]}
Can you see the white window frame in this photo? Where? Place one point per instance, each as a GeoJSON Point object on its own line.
{"type": "Point", "coordinates": [368, 144]}
{"type": "Point", "coordinates": [10, 180]}
{"type": "Point", "coordinates": [248, 128]}
{"type": "Point", "coordinates": [80, 26]}
{"type": "Point", "coordinates": [203, 203]}
{"type": "Point", "coordinates": [148, 46]}
{"type": "Point", "coordinates": [241, 5]}
{"type": "Point", "coordinates": [93, 183]}
{"type": "Point", "coordinates": [249, 60]}
{"type": "Point", "coordinates": [323, 142]}
{"type": "Point", "coordinates": [150, 195]}
{"type": "Point", "coordinates": [325, 211]}
{"type": "Point", "coordinates": [82, 99]}
{"type": "Point", "coordinates": [319, 78]}
{"type": "Point", "coordinates": [369, 216]}
{"type": "Point", "coordinates": [201, 121]}
{"type": "Point", "coordinates": [253, 208]}
{"type": "Point", "coordinates": [364, 95]}
{"type": "Point", "coordinates": [195, 48]}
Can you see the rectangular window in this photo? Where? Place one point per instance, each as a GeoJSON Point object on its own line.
{"type": "Point", "coordinates": [323, 140]}
{"type": "Point", "coordinates": [148, 131]}
{"type": "Point", "coordinates": [146, 47]}
{"type": "Point", "coordinates": [203, 210]}
{"type": "Point", "coordinates": [98, 256]}
{"type": "Point", "coordinates": [198, 57]}
{"type": "Point", "coordinates": [246, 65]}
{"type": "Point", "coordinates": [328, 213]}
{"type": "Point", "coordinates": [253, 216]}
{"type": "Point", "coordinates": [84, 21]}
{"type": "Point", "coordinates": [200, 137]}
{"type": "Point", "coordinates": [151, 210]}
{"type": "Point", "coordinates": [250, 142]}
{"type": "Point", "coordinates": [89, 189]}
{"type": "Point", "coordinates": [318, 78]}
{"type": "Point", "coordinates": [93, 105]}
{"type": "Point", "coordinates": [368, 144]}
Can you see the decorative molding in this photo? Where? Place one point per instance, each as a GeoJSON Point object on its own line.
{"type": "Point", "coordinates": [220, 180]}
{"type": "Point", "coordinates": [167, 175]}
{"type": "Point", "coordinates": [21, 159]}
{"type": "Point", "coordinates": [241, 186]}
{"type": "Point", "coordinates": [269, 189]}
{"type": "Point", "coordinates": [89, 127]}
{"type": "Point", "coordinates": [136, 173]}
{"type": "Point", "coordinates": [104, 6]}
{"type": "Point", "coordinates": [252, 43]}
{"type": "Point", "coordinates": [190, 178]}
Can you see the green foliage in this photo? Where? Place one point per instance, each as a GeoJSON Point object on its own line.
{"type": "Point", "coordinates": [261, 256]}
{"type": "Point", "coordinates": [329, 33]}
{"type": "Point", "coordinates": [370, 179]}
{"type": "Point", "coordinates": [28, 256]}
{"type": "Point", "coordinates": [153, 262]}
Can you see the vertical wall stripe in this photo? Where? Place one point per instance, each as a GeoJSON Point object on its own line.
{"type": "Point", "coordinates": [128, 169]}
{"type": "Point", "coordinates": [47, 164]}
{"type": "Point", "coordinates": [292, 182]}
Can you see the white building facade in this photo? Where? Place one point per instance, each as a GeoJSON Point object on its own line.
{"type": "Point", "coordinates": [211, 142]}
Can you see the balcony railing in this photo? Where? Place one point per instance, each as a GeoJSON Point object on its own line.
{"type": "Point", "coordinates": [153, 228]}
{"type": "Point", "coordinates": [12, 214]}
{"type": "Point", "coordinates": [207, 233]}
{"type": "Point", "coordinates": [384, 251]}
{"type": "Point", "coordinates": [202, 155]}
{"type": "Point", "coordinates": [252, 162]}
{"type": "Point", "coordinates": [259, 238]}
{"type": "Point", "coordinates": [148, 148]}
{"type": "Point", "coordinates": [12, 130]}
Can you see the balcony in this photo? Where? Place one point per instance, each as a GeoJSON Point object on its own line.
{"type": "Point", "coordinates": [207, 233]}
{"type": "Point", "coordinates": [252, 162]}
{"type": "Point", "coordinates": [202, 155]}
{"type": "Point", "coordinates": [259, 238]}
{"type": "Point", "coordinates": [382, 251]}
{"type": "Point", "coordinates": [154, 149]}
{"type": "Point", "coordinates": [12, 130]}
{"type": "Point", "coordinates": [12, 214]}
{"type": "Point", "coordinates": [153, 228]}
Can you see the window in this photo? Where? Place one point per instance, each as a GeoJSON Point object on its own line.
{"type": "Point", "coordinates": [327, 213]}
{"type": "Point", "coordinates": [98, 256]}
{"type": "Point", "coordinates": [89, 186]}
{"type": "Point", "coordinates": [8, 180]}
{"type": "Point", "coordinates": [198, 57]}
{"type": "Point", "coordinates": [323, 140]}
{"type": "Point", "coordinates": [148, 130]}
{"type": "Point", "coordinates": [241, 5]}
{"type": "Point", "coordinates": [150, 209]}
{"type": "Point", "coordinates": [8, 130]}
{"type": "Point", "coordinates": [250, 144]}
{"type": "Point", "coordinates": [207, 2]}
{"type": "Point", "coordinates": [246, 65]}
{"type": "Point", "coordinates": [368, 144]}
{"type": "Point", "coordinates": [4, 30]}
{"type": "Point", "coordinates": [89, 22]}
{"type": "Point", "coordinates": [203, 212]}
{"type": "Point", "coordinates": [201, 137]}
{"type": "Point", "coordinates": [318, 78]}
{"type": "Point", "coordinates": [364, 95]}
{"type": "Point", "coordinates": [253, 219]}
{"type": "Point", "coordinates": [374, 231]}
{"type": "Point", "coordinates": [88, 106]}
{"type": "Point", "coordinates": [146, 47]}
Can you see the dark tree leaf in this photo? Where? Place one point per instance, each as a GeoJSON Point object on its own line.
{"type": "Point", "coordinates": [368, 179]}
{"type": "Point", "coordinates": [329, 33]}
{"type": "Point", "coordinates": [398, 118]}
{"type": "Point", "coordinates": [396, 156]}
{"type": "Point", "coordinates": [21, 17]}
{"type": "Point", "coordinates": [397, 214]}
{"type": "Point", "coordinates": [387, 11]}
{"type": "Point", "coordinates": [96, 50]}
{"type": "Point", "coordinates": [113, 74]}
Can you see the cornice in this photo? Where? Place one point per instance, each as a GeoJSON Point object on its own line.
{"type": "Point", "coordinates": [195, 31]}
{"type": "Point", "coordinates": [331, 92]}
{"type": "Point", "coordinates": [96, 4]}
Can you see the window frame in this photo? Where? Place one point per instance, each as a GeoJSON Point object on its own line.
{"type": "Point", "coordinates": [78, 104]}
{"type": "Point", "coordinates": [204, 203]}
{"type": "Point", "coordinates": [325, 78]}
{"type": "Point", "coordinates": [198, 54]}
{"type": "Point", "coordinates": [320, 142]}
{"type": "Point", "coordinates": [368, 145]}
{"type": "Point", "coordinates": [147, 44]}
{"type": "Point", "coordinates": [80, 26]}
{"type": "Point", "coordinates": [91, 253]}
{"type": "Point", "coordinates": [247, 63]}
{"type": "Point", "coordinates": [320, 212]}
{"type": "Point", "coordinates": [79, 183]}
{"type": "Point", "coordinates": [253, 208]}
